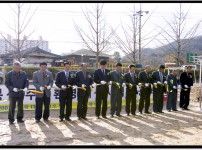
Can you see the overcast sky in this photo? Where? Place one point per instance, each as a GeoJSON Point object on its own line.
{"type": "Point", "coordinates": [54, 22]}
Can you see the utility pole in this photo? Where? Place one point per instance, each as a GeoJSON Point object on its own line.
{"type": "Point", "coordinates": [140, 13]}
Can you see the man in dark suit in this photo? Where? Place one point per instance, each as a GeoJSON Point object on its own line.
{"type": "Point", "coordinates": [186, 79]}
{"type": "Point", "coordinates": [101, 76]}
{"type": "Point", "coordinates": [131, 81]}
{"type": "Point", "coordinates": [65, 80]}
{"type": "Point", "coordinates": [116, 80]}
{"type": "Point", "coordinates": [145, 81]}
{"type": "Point", "coordinates": [83, 79]}
{"type": "Point", "coordinates": [43, 81]}
{"type": "Point", "coordinates": [172, 91]}
{"type": "Point", "coordinates": [17, 83]}
{"type": "Point", "coordinates": [159, 83]}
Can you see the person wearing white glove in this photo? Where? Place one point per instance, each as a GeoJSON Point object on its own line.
{"type": "Point", "coordinates": [49, 87]}
{"type": "Point", "coordinates": [74, 87]}
{"type": "Point", "coordinates": [174, 87]}
{"type": "Point", "coordinates": [15, 80]}
{"type": "Point", "coordinates": [172, 91]}
{"type": "Point", "coordinates": [139, 84]}
{"type": "Point", "coordinates": [103, 82]}
{"type": "Point", "coordinates": [15, 90]}
{"type": "Point", "coordinates": [83, 85]}
{"type": "Point", "coordinates": [94, 85]}
{"type": "Point", "coordinates": [186, 79]}
{"type": "Point", "coordinates": [131, 79]}
{"type": "Point", "coordinates": [41, 88]}
{"type": "Point", "coordinates": [186, 86]}
{"type": "Point", "coordinates": [110, 82]}
{"type": "Point", "coordinates": [101, 74]}
{"type": "Point", "coordinates": [124, 84]}
{"type": "Point", "coordinates": [179, 86]}
{"type": "Point", "coordinates": [25, 89]}
{"type": "Point", "coordinates": [63, 86]}
{"type": "Point", "coordinates": [165, 82]}
{"type": "Point", "coordinates": [158, 82]}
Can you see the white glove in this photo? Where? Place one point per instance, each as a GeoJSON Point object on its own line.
{"type": "Point", "coordinates": [186, 86]}
{"type": "Point", "coordinates": [165, 82]}
{"type": "Point", "coordinates": [94, 85]}
{"type": "Point", "coordinates": [25, 89]}
{"type": "Point", "coordinates": [123, 85]}
{"type": "Point", "coordinates": [139, 84]}
{"type": "Point", "coordinates": [74, 87]}
{"type": "Point", "coordinates": [103, 82]}
{"type": "Point", "coordinates": [191, 87]}
{"type": "Point", "coordinates": [174, 87]}
{"type": "Point", "coordinates": [83, 85]}
{"type": "Point", "coordinates": [49, 87]}
{"type": "Point", "coordinates": [15, 89]}
{"type": "Point", "coordinates": [130, 85]}
{"type": "Point", "coordinates": [110, 82]}
{"type": "Point", "coordinates": [117, 83]}
{"type": "Point", "coordinates": [146, 84]}
{"type": "Point", "coordinates": [63, 87]}
{"type": "Point", "coordinates": [179, 86]}
{"type": "Point", "coordinates": [41, 88]}
{"type": "Point", "coordinates": [158, 82]}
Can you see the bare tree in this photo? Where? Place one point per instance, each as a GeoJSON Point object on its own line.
{"type": "Point", "coordinates": [128, 43]}
{"type": "Point", "coordinates": [177, 36]}
{"type": "Point", "coordinates": [19, 29]}
{"type": "Point", "coordinates": [96, 38]}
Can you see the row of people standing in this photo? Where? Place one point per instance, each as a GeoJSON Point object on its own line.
{"type": "Point", "coordinates": [66, 80]}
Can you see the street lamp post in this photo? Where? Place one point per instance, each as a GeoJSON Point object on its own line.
{"type": "Point", "coordinates": [81, 58]}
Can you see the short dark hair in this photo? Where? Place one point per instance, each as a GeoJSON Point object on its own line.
{"type": "Point", "coordinates": [118, 64]}
{"type": "Point", "coordinates": [43, 63]}
{"type": "Point", "coordinates": [103, 62]}
{"type": "Point", "coordinates": [83, 64]}
{"type": "Point", "coordinates": [131, 65]}
{"type": "Point", "coordinates": [162, 67]}
{"type": "Point", "coordinates": [189, 67]}
{"type": "Point", "coordinates": [67, 63]}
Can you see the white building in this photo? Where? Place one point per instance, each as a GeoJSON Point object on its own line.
{"type": "Point", "coordinates": [6, 47]}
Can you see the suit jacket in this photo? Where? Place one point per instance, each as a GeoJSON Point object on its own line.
{"type": "Point", "coordinates": [143, 78]}
{"type": "Point", "coordinates": [114, 77]}
{"type": "Point", "coordinates": [172, 81]}
{"type": "Point", "coordinates": [61, 80]}
{"type": "Point", "coordinates": [38, 82]}
{"type": "Point", "coordinates": [128, 79]}
{"type": "Point", "coordinates": [80, 79]}
{"type": "Point", "coordinates": [186, 79]}
{"type": "Point", "coordinates": [98, 77]}
{"type": "Point", "coordinates": [16, 81]}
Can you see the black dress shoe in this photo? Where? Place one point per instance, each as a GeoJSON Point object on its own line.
{"type": "Point", "coordinates": [46, 120]}
{"type": "Point", "coordinates": [186, 109]}
{"type": "Point", "coordinates": [128, 115]}
{"type": "Point", "coordinates": [133, 114]}
{"type": "Point", "coordinates": [68, 119]}
{"type": "Point", "coordinates": [37, 121]}
{"type": "Point", "coordinates": [161, 112]}
{"type": "Point", "coordinates": [169, 110]}
{"type": "Point", "coordinates": [84, 118]}
{"type": "Point", "coordinates": [175, 110]}
{"type": "Point", "coordinates": [155, 112]}
{"type": "Point", "coordinates": [111, 116]}
{"type": "Point", "coordinates": [79, 118]}
{"type": "Point", "coordinates": [104, 117]}
{"type": "Point", "coordinates": [11, 122]}
{"type": "Point", "coordinates": [119, 115]}
{"type": "Point", "coordinates": [140, 112]}
{"type": "Point", "coordinates": [20, 121]}
{"type": "Point", "coordinates": [61, 120]}
{"type": "Point", "coordinates": [98, 117]}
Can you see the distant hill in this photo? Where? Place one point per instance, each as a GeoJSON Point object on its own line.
{"type": "Point", "coordinates": [161, 54]}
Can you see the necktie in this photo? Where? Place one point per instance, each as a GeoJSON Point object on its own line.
{"type": "Point", "coordinates": [67, 75]}
{"type": "Point", "coordinates": [44, 75]}
{"type": "Point", "coordinates": [132, 75]}
{"type": "Point", "coordinates": [103, 72]}
{"type": "Point", "coordinates": [84, 74]}
{"type": "Point", "coordinates": [161, 77]}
